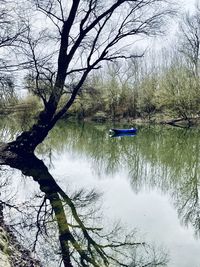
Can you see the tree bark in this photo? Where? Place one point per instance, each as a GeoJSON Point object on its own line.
{"type": "Point", "coordinates": [27, 141]}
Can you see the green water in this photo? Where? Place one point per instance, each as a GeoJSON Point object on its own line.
{"type": "Point", "coordinates": [160, 166]}
{"type": "Point", "coordinates": [150, 181]}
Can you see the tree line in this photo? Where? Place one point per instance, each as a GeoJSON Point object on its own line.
{"type": "Point", "coordinates": [57, 45]}
{"type": "Point", "coordinates": [157, 85]}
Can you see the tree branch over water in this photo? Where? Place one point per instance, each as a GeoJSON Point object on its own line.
{"type": "Point", "coordinates": [81, 244]}
{"type": "Point", "coordinates": [81, 35]}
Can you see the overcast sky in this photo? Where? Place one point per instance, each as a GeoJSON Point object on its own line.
{"type": "Point", "coordinates": [188, 4]}
{"type": "Point", "coordinates": [170, 35]}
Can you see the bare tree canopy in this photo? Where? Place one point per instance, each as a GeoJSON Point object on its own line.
{"type": "Point", "coordinates": [73, 222]}
{"type": "Point", "coordinates": [190, 39]}
{"type": "Point", "coordinates": [76, 38]}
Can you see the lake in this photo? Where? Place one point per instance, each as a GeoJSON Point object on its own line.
{"type": "Point", "coordinates": [149, 181]}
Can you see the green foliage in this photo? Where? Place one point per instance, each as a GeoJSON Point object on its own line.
{"type": "Point", "coordinates": [107, 96]}
{"type": "Point", "coordinates": [91, 98]}
{"type": "Point", "coordinates": [26, 110]}
{"type": "Point", "coordinates": [100, 116]}
{"type": "Point", "coordinates": [180, 92]}
{"type": "Point", "coordinates": [147, 96]}
{"type": "Point", "coordinates": [172, 91]}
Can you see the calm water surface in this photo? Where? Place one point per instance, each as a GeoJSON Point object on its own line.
{"type": "Point", "coordinates": [150, 181]}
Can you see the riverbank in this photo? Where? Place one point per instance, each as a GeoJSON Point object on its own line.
{"type": "Point", "coordinates": [27, 112]}
{"type": "Point", "coordinates": [160, 119]}
{"type": "Point", "coordinates": [12, 253]}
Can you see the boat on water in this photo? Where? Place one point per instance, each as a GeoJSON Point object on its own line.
{"type": "Point", "coordinates": [123, 131]}
{"type": "Point", "coordinates": [123, 135]}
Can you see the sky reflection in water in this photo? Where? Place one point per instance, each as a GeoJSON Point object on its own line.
{"type": "Point", "coordinates": [142, 179]}
{"type": "Point", "coordinates": [150, 181]}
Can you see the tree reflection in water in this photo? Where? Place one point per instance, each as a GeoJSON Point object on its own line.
{"type": "Point", "coordinates": [159, 157]}
{"type": "Point", "coordinates": [82, 241]}
{"type": "Point", "coordinates": [163, 158]}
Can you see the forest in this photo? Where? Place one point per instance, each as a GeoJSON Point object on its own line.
{"type": "Point", "coordinates": [159, 83]}
{"type": "Point", "coordinates": [88, 60]}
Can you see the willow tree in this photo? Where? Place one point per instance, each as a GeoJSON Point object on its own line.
{"type": "Point", "coordinates": [86, 33]}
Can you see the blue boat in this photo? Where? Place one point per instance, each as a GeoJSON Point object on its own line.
{"type": "Point", "coordinates": [123, 135]}
{"type": "Point", "coordinates": [123, 131]}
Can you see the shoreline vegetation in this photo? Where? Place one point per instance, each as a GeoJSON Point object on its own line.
{"type": "Point", "coordinates": [160, 87]}
{"type": "Point", "coordinates": [12, 252]}
{"type": "Point", "coordinates": [27, 109]}
{"type": "Point", "coordinates": [83, 63]}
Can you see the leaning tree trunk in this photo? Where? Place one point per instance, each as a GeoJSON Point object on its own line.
{"type": "Point", "coordinates": [27, 141]}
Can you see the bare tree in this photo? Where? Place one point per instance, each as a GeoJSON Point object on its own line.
{"type": "Point", "coordinates": [10, 32]}
{"type": "Point", "coordinates": [88, 33]}
{"type": "Point", "coordinates": [11, 28]}
{"type": "Point", "coordinates": [82, 239]}
{"type": "Point", "coordinates": [190, 40]}
{"type": "Point", "coordinates": [7, 92]}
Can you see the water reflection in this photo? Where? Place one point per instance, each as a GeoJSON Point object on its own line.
{"type": "Point", "coordinates": [73, 219]}
{"type": "Point", "coordinates": [114, 135]}
{"type": "Point", "coordinates": [164, 158]}
{"type": "Point", "coordinates": [161, 158]}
